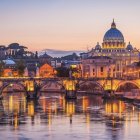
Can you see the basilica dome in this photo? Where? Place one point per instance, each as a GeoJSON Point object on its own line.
{"type": "Point", "coordinates": [129, 47]}
{"type": "Point", "coordinates": [98, 47]}
{"type": "Point", "coordinates": [113, 35]}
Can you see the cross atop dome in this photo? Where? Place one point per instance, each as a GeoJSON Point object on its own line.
{"type": "Point", "coordinates": [113, 25]}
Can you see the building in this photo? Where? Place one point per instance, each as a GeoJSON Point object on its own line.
{"type": "Point", "coordinates": [9, 68]}
{"type": "Point", "coordinates": [132, 70]}
{"type": "Point", "coordinates": [45, 58]}
{"type": "Point", "coordinates": [114, 47]}
{"type": "Point", "coordinates": [98, 67]}
{"type": "Point", "coordinates": [2, 52]}
{"type": "Point", "coordinates": [15, 50]}
{"type": "Point", "coordinates": [46, 71]}
{"type": "Point", "coordinates": [56, 62]}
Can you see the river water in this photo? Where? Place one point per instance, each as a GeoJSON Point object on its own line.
{"type": "Point", "coordinates": [53, 118]}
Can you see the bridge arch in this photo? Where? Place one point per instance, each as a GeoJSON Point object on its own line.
{"type": "Point", "coordinates": [12, 83]}
{"type": "Point", "coordinates": [129, 85]}
{"type": "Point", "coordinates": [47, 84]}
{"type": "Point", "coordinates": [91, 86]}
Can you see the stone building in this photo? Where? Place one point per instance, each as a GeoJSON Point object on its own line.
{"type": "Point", "coordinates": [115, 48]}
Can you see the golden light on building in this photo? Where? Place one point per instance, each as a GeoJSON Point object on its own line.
{"type": "Point", "coordinates": [30, 85]}
{"type": "Point", "coordinates": [47, 71]}
{"type": "Point", "coordinates": [69, 84]}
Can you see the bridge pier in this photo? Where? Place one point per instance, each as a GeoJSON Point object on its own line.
{"type": "Point", "coordinates": [32, 90]}
{"type": "Point", "coordinates": [70, 94]}
{"type": "Point", "coordinates": [108, 94]}
{"type": "Point", "coordinates": [70, 89]}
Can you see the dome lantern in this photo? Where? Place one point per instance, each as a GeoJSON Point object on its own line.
{"type": "Point", "coordinates": [129, 47]}
{"type": "Point", "coordinates": [113, 25]}
{"type": "Point", "coordinates": [98, 47]}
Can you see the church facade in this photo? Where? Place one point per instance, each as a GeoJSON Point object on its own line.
{"type": "Point", "coordinates": [111, 58]}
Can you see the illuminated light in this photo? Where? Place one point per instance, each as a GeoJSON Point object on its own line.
{"type": "Point", "coordinates": [49, 119]}
{"type": "Point", "coordinates": [70, 84]}
{"type": "Point", "coordinates": [88, 118]}
{"type": "Point", "coordinates": [133, 108]}
{"type": "Point", "coordinates": [70, 109]}
{"type": "Point", "coordinates": [30, 85]}
{"type": "Point", "coordinates": [85, 103]}
{"type": "Point", "coordinates": [11, 103]}
{"type": "Point", "coordinates": [44, 104]}
{"type": "Point", "coordinates": [24, 104]}
{"type": "Point", "coordinates": [31, 109]}
{"type": "Point", "coordinates": [16, 121]}
{"type": "Point", "coordinates": [73, 66]}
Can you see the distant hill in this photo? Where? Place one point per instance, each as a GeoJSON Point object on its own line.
{"type": "Point", "coordinates": [59, 53]}
{"type": "Point", "coordinates": [73, 56]}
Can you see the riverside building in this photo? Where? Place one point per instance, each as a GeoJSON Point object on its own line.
{"type": "Point", "coordinates": [111, 58]}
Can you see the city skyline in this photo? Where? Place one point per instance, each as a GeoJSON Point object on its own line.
{"type": "Point", "coordinates": [66, 25]}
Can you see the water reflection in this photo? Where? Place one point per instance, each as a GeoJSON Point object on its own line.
{"type": "Point", "coordinates": [87, 117]}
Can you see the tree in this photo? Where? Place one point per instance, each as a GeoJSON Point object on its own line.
{"type": "Point", "coordinates": [62, 72]}
{"type": "Point", "coordinates": [36, 54]}
{"type": "Point", "coordinates": [1, 68]}
{"type": "Point", "coordinates": [20, 67]}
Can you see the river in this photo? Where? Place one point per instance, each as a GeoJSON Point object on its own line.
{"type": "Point", "coordinates": [53, 118]}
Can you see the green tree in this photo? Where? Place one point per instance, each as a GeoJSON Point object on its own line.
{"type": "Point", "coordinates": [20, 67]}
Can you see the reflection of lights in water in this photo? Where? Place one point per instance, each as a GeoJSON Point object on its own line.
{"type": "Point", "coordinates": [14, 104]}
{"type": "Point", "coordinates": [88, 118]}
{"type": "Point", "coordinates": [61, 98]}
{"type": "Point", "coordinates": [85, 103]}
{"type": "Point", "coordinates": [11, 103]}
{"type": "Point", "coordinates": [24, 104]}
{"type": "Point", "coordinates": [115, 107]}
{"type": "Point", "coordinates": [55, 108]}
{"type": "Point", "coordinates": [15, 120]}
{"type": "Point", "coordinates": [70, 109]}
{"type": "Point", "coordinates": [31, 108]}
{"type": "Point", "coordinates": [133, 108]}
{"type": "Point", "coordinates": [44, 104]}
{"type": "Point", "coordinates": [64, 103]}
{"type": "Point", "coordinates": [49, 119]}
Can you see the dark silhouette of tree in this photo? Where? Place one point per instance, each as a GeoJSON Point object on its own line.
{"type": "Point", "coordinates": [62, 72]}
{"type": "Point", "coordinates": [20, 67]}
{"type": "Point", "coordinates": [36, 54]}
{"type": "Point", "coordinates": [1, 68]}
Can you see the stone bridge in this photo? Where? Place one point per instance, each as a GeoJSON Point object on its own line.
{"type": "Point", "coordinates": [33, 86]}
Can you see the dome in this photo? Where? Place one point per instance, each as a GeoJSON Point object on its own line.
{"type": "Point", "coordinates": [9, 62]}
{"type": "Point", "coordinates": [129, 47]}
{"type": "Point", "coordinates": [113, 34]}
{"type": "Point", "coordinates": [98, 47]}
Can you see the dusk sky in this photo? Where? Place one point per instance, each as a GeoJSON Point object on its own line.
{"type": "Point", "coordinates": [66, 24]}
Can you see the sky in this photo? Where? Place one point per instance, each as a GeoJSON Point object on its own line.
{"type": "Point", "coordinates": [67, 24]}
